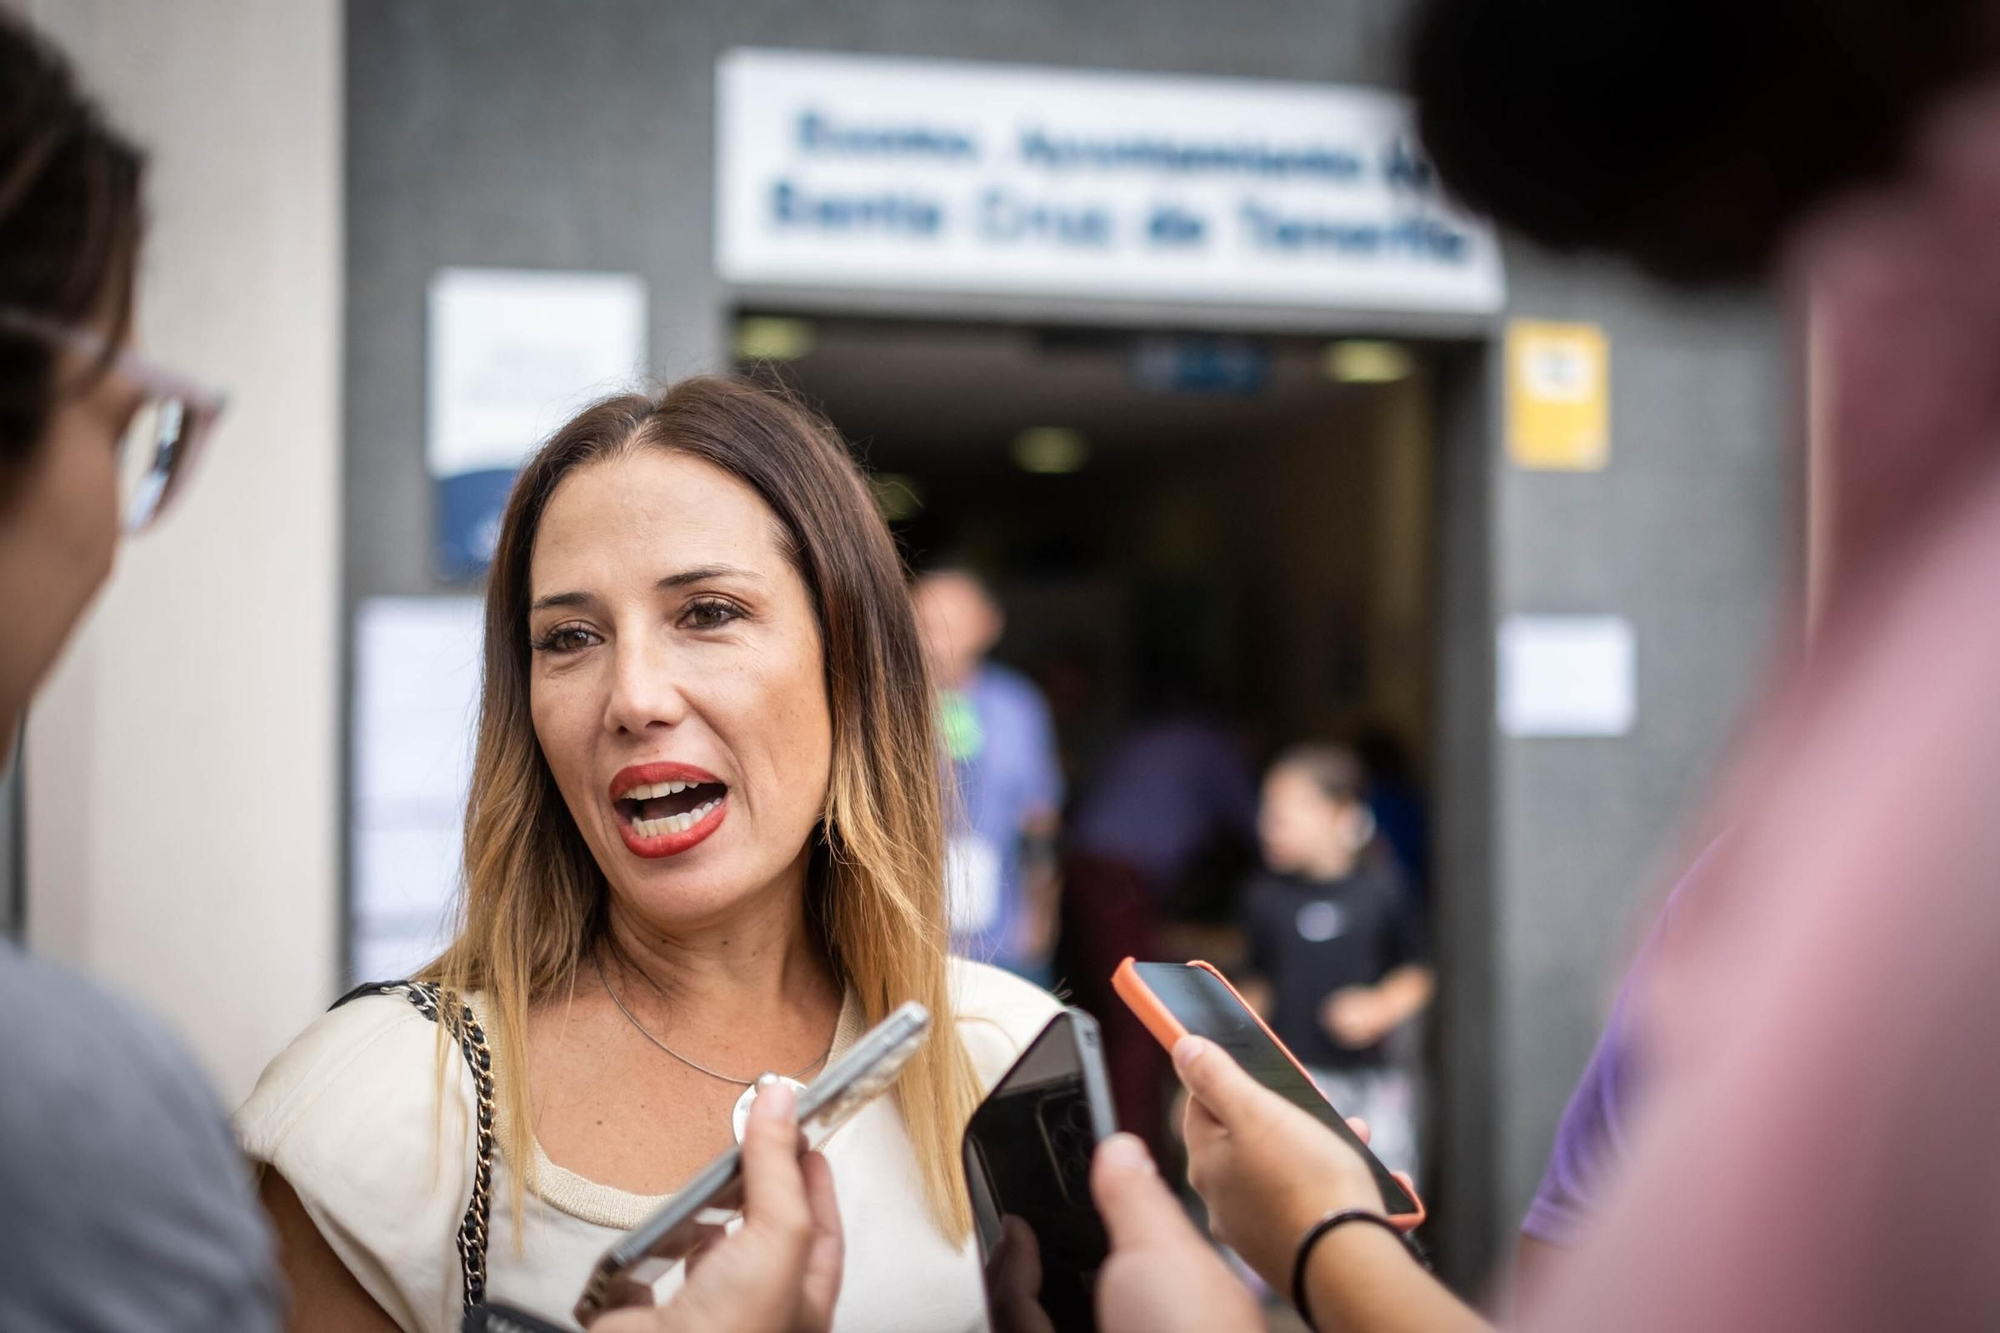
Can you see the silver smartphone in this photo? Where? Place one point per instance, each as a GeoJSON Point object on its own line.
{"type": "Point", "coordinates": [627, 1271]}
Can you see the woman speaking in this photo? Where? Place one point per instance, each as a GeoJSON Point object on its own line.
{"type": "Point", "coordinates": [703, 842]}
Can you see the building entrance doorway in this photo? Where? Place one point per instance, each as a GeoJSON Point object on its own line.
{"type": "Point", "coordinates": [1231, 533]}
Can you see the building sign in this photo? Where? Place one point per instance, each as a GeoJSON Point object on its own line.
{"type": "Point", "coordinates": [1558, 396]}
{"type": "Point", "coordinates": [914, 175]}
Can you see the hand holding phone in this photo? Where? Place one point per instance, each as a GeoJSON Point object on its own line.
{"type": "Point", "coordinates": [1266, 1169]}
{"type": "Point", "coordinates": [1027, 1154]}
{"type": "Point", "coordinates": [778, 1273]}
{"type": "Point", "coordinates": [1175, 999]}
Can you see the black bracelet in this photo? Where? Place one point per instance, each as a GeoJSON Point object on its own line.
{"type": "Point", "coordinates": [1318, 1230]}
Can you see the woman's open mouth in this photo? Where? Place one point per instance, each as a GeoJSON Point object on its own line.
{"type": "Point", "coordinates": [664, 809]}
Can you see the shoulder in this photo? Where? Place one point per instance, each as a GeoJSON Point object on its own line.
{"type": "Point", "coordinates": [369, 1118]}
{"type": "Point", "coordinates": [1007, 688]}
{"type": "Point", "coordinates": [105, 1062]}
{"type": "Point", "coordinates": [101, 1102]}
{"type": "Point", "coordinates": [997, 1013]}
{"type": "Point", "coordinates": [370, 1058]}
{"type": "Point", "coordinates": [65, 1031]}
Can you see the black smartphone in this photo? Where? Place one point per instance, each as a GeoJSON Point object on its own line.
{"type": "Point", "coordinates": [483, 1318]}
{"type": "Point", "coordinates": [1027, 1165]}
{"type": "Point", "coordinates": [1174, 999]}
{"type": "Point", "coordinates": [627, 1271]}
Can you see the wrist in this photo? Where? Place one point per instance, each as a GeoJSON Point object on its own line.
{"type": "Point", "coordinates": [1348, 1261]}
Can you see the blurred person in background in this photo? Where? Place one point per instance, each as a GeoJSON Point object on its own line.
{"type": "Point", "coordinates": [704, 841]}
{"type": "Point", "coordinates": [126, 1204]}
{"type": "Point", "coordinates": [123, 1203]}
{"type": "Point", "coordinates": [1007, 809]}
{"type": "Point", "coordinates": [1165, 795]}
{"type": "Point", "coordinates": [1815, 1146]}
{"type": "Point", "coordinates": [1336, 961]}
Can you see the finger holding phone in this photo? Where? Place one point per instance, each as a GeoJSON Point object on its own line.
{"type": "Point", "coordinates": [1269, 1171]}
{"type": "Point", "coordinates": [780, 1271]}
{"type": "Point", "coordinates": [1161, 1276]}
{"type": "Point", "coordinates": [1266, 1169]}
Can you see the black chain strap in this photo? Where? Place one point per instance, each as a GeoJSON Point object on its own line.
{"type": "Point", "coordinates": [447, 1008]}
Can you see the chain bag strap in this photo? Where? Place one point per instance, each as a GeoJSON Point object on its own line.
{"type": "Point", "coordinates": [441, 1006]}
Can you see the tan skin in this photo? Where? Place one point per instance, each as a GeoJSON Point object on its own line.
{"type": "Point", "coordinates": [668, 625]}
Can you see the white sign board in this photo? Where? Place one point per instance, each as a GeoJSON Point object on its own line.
{"type": "Point", "coordinates": [416, 703]}
{"type": "Point", "coordinates": [511, 354]}
{"type": "Point", "coordinates": [1568, 676]}
{"type": "Point", "coordinates": [866, 172]}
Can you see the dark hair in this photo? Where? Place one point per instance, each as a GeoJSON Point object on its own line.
{"type": "Point", "coordinates": [1690, 137]}
{"type": "Point", "coordinates": [69, 224]}
{"type": "Point", "coordinates": [1336, 770]}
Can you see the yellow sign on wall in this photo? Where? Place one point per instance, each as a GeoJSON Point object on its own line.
{"type": "Point", "coordinates": [1558, 396]}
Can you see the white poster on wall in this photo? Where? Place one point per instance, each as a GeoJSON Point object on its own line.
{"type": "Point", "coordinates": [510, 354]}
{"type": "Point", "coordinates": [415, 704]}
{"type": "Point", "coordinates": [1568, 676]}
{"type": "Point", "coordinates": [869, 172]}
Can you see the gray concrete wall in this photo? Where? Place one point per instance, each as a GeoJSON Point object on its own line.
{"type": "Point", "coordinates": [520, 132]}
{"type": "Point", "coordinates": [1692, 531]}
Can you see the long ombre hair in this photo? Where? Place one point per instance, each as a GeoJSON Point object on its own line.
{"type": "Point", "coordinates": [534, 898]}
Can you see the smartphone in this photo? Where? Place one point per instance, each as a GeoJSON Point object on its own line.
{"type": "Point", "coordinates": [1027, 1159]}
{"type": "Point", "coordinates": [627, 1271]}
{"type": "Point", "coordinates": [1174, 999]}
{"type": "Point", "coordinates": [484, 1318]}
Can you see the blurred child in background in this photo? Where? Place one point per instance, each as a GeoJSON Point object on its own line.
{"type": "Point", "coordinates": [1336, 943]}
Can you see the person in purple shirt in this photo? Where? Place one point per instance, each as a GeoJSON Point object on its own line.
{"type": "Point", "coordinates": [996, 728]}
{"type": "Point", "coordinates": [1163, 795]}
{"type": "Point", "coordinates": [1592, 1135]}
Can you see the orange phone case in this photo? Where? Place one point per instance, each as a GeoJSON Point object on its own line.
{"type": "Point", "coordinates": [1168, 1031]}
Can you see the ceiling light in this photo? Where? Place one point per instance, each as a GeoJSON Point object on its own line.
{"type": "Point", "coordinates": [1050, 450]}
{"type": "Point", "coordinates": [770, 338]}
{"type": "Point", "coordinates": [1365, 361]}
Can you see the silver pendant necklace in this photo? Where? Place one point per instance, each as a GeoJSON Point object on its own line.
{"type": "Point", "coordinates": [739, 1115]}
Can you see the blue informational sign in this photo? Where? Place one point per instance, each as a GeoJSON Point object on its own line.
{"type": "Point", "coordinates": [1228, 366]}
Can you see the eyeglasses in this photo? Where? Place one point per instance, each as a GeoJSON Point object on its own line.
{"type": "Point", "coordinates": [175, 417]}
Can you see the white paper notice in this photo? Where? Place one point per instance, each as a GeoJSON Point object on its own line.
{"type": "Point", "coordinates": [513, 352]}
{"type": "Point", "coordinates": [1568, 676]}
{"type": "Point", "coordinates": [416, 700]}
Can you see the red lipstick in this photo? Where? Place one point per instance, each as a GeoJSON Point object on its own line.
{"type": "Point", "coordinates": [663, 809]}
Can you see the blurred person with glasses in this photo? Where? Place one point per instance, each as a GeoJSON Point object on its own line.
{"type": "Point", "coordinates": [124, 1203]}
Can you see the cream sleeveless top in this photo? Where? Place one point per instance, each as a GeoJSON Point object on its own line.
{"type": "Point", "coordinates": [350, 1115]}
